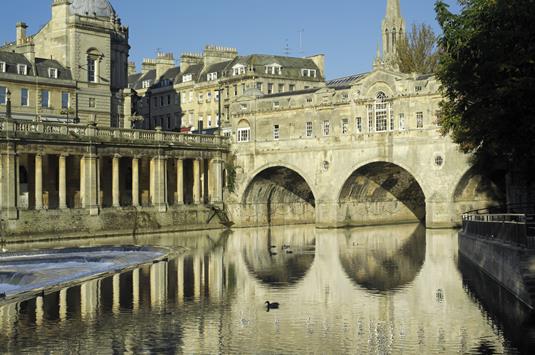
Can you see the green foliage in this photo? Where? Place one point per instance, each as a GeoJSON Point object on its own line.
{"type": "Point", "coordinates": [231, 176]}
{"type": "Point", "coordinates": [487, 70]}
{"type": "Point", "coordinates": [417, 52]}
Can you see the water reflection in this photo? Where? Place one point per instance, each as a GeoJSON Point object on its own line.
{"type": "Point", "coordinates": [211, 298]}
{"type": "Point", "coordinates": [383, 260]}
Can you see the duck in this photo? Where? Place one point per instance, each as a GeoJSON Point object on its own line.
{"type": "Point", "coordinates": [284, 247]}
{"type": "Point", "coordinates": [272, 305]}
{"type": "Point", "coordinates": [2, 295]}
{"type": "Point", "coordinates": [289, 252]}
{"type": "Point", "coordinates": [272, 253]}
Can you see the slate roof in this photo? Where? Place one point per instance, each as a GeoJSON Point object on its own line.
{"type": "Point", "coordinates": [291, 66]}
{"type": "Point", "coordinates": [219, 68]}
{"type": "Point", "coordinates": [345, 82]}
{"type": "Point", "coordinates": [293, 93]}
{"type": "Point", "coordinates": [42, 65]}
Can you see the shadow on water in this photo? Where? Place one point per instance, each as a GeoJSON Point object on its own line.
{"type": "Point", "coordinates": [512, 316]}
{"type": "Point", "coordinates": [384, 259]}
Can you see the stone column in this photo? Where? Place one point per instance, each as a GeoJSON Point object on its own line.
{"type": "Point", "coordinates": [159, 183]}
{"type": "Point", "coordinates": [135, 290]}
{"type": "Point", "coordinates": [62, 182]}
{"type": "Point", "coordinates": [91, 182]}
{"type": "Point", "coordinates": [135, 182]}
{"type": "Point", "coordinates": [63, 305]}
{"type": "Point", "coordinates": [216, 181]}
{"type": "Point", "coordinates": [116, 286]}
{"type": "Point", "coordinates": [116, 202]}
{"type": "Point", "coordinates": [179, 182]}
{"type": "Point", "coordinates": [38, 182]}
{"type": "Point", "coordinates": [9, 182]}
{"type": "Point", "coordinates": [197, 181]}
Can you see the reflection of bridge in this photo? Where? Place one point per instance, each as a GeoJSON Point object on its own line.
{"type": "Point", "coordinates": [322, 285]}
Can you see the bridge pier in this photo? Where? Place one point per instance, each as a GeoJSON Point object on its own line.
{"type": "Point", "coordinates": [440, 214]}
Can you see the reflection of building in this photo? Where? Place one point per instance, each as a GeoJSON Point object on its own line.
{"type": "Point", "coordinates": [187, 96]}
{"type": "Point", "coordinates": [75, 66]}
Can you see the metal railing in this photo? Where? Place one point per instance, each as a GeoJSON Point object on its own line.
{"type": "Point", "coordinates": [22, 128]}
{"type": "Point", "coordinates": [512, 229]}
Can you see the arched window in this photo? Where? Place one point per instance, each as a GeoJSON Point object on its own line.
{"type": "Point", "coordinates": [387, 36]}
{"type": "Point", "coordinates": [394, 40]}
{"type": "Point", "coordinates": [93, 61]}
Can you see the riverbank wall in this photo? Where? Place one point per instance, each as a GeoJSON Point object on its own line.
{"type": "Point", "coordinates": [70, 224]}
{"type": "Point", "coordinates": [511, 266]}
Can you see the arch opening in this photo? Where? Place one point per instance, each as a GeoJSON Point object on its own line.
{"type": "Point", "coordinates": [382, 193]}
{"type": "Point", "coordinates": [477, 191]}
{"type": "Point", "coordinates": [278, 196]}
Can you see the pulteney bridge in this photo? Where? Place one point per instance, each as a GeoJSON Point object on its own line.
{"type": "Point", "coordinates": [310, 157]}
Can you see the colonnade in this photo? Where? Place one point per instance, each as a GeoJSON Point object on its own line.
{"type": "Point", "coordinates": [39, 181]}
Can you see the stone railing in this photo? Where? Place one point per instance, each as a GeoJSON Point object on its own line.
{"type": "Point", "coordinates": [22, 129]}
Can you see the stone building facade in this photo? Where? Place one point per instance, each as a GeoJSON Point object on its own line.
{"type": "Point", "coordinates": [186, 97]}
{"type": "Point", "coordinates": [76, 66]}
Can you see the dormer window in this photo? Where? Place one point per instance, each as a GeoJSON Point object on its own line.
{"type": "Point", "coordinates": [22, 69]}
{"type": "Point", "coordinates": [52, 73]}
{"type": "Point", "coordinates": [211, 76]}
{"type": "Point", "coordinates": [146, 84]}
{"type": "Point", "coordinates": [186, 78]}
{"type": "Point", "coordinates": [308, 73]}
{"type": "Point", "coordinates": [238, 69]}
{"type": "Point", "coordinates": [274, 69]}
{"type": "Point", "coordinates": [3, 67]}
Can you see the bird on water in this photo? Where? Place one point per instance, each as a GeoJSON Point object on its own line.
{"type": "Point", "coordinates": [272, 305]}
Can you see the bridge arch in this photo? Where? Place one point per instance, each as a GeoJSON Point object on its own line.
{"type": "Point", "coordinates": [381, 192]}
{"type": "Point", "coordinates": [476, 190]}
{"type": "Point", "coordinates": [279, 194]}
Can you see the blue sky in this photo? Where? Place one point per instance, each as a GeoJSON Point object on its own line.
{"type": "Point", "coordinates": [346, 31]}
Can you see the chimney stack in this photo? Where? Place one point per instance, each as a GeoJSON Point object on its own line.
{"type": "Point", "coordinates": [21, 33]}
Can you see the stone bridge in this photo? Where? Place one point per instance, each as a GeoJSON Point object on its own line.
{"type": "Point", "coordinates": [355, 180]}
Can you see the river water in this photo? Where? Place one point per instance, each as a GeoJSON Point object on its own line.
{"type": "Point", "coordinates": [377, 290]}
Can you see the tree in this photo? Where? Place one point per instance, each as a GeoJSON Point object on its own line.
{"type": "Point", "coordinates": [487, 71]}
{"type": "Point", "coordinates": [417, 52]}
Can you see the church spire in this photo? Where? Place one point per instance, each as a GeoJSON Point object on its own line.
{"type": "Point", "coordinates": [393, 9]}
{"type": "Point", "coordinates": [393, 29]}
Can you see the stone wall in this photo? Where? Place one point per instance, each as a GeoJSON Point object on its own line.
{"type": "Point", "coordinates": [500, 261]}
{"type": "Point", "coordinates": [75, 223]}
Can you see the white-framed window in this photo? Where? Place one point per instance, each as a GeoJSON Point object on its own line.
{"type": "Point", "coordinates": [243, 134]}
{"type": "Point", "coordinates": [146, 84]}
{"type": "Point", "coordinates": [308, 73]}
{"type": "Point", "coordinates": [227, 133]}
{"type": "Point", "coordinates": [3, 95]}
{"type": "Point", "coordinates": [45, 98]}
{"type": "Point", "coordinates": [211, 76]}
{"type": "Point", "coordinates": [381, 112]}
{"type": "Point", "coordinates": [65, 102]}
{"type": "Point", "coordinates": [92, 102]}
{"type": "Point", "coordinates": [326, 128]}
{"type": "Point", "coordinates": [243, 107]}
{"type": "Point", "coordinates": [370, 118]}
{"type": "Point", "coordinates": [3, 67]}
{"type": "Point", "coordinates": [52, 73]}
{"type": "Point", "coordinates": [270, 88]}
{"type": "Point", "coordinates": [274, 69]}
{"type": "Point", "coordinates": [291, 87]}
{"type": "Point", "coordinates": [209, 120]}
{"type": "Point", "coordinates": [24, 97]}
{"type": "Point", "coordinates": [281, 88]}
{"type": "Point", "coordinates": [259, 86]}
{"type": "Point", "coordinates": [216, 96]}
{"type": "Point", "coordinates": [187, 78]}
{"type": "Point", "coordinates": [200, 97]}
{"type": "Point", "coordinates": [345, 126]}
{"type": "Point", "coordinates": [358, 124]}
{"type": "Point", "coordinates": [419, 120]}
{"type": "Point", "coordinates": [238, 69]}
{"type": "Point", "coordinates": [276, 132]}
{"type": "Point", "coordinates": [401, 121]}
{"type": "Point", "coordinates": [22, 69]}
{"type": "Point", "coordinates": [308, 129]}
{"type": "Point", "coordinates": [276, 104]}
